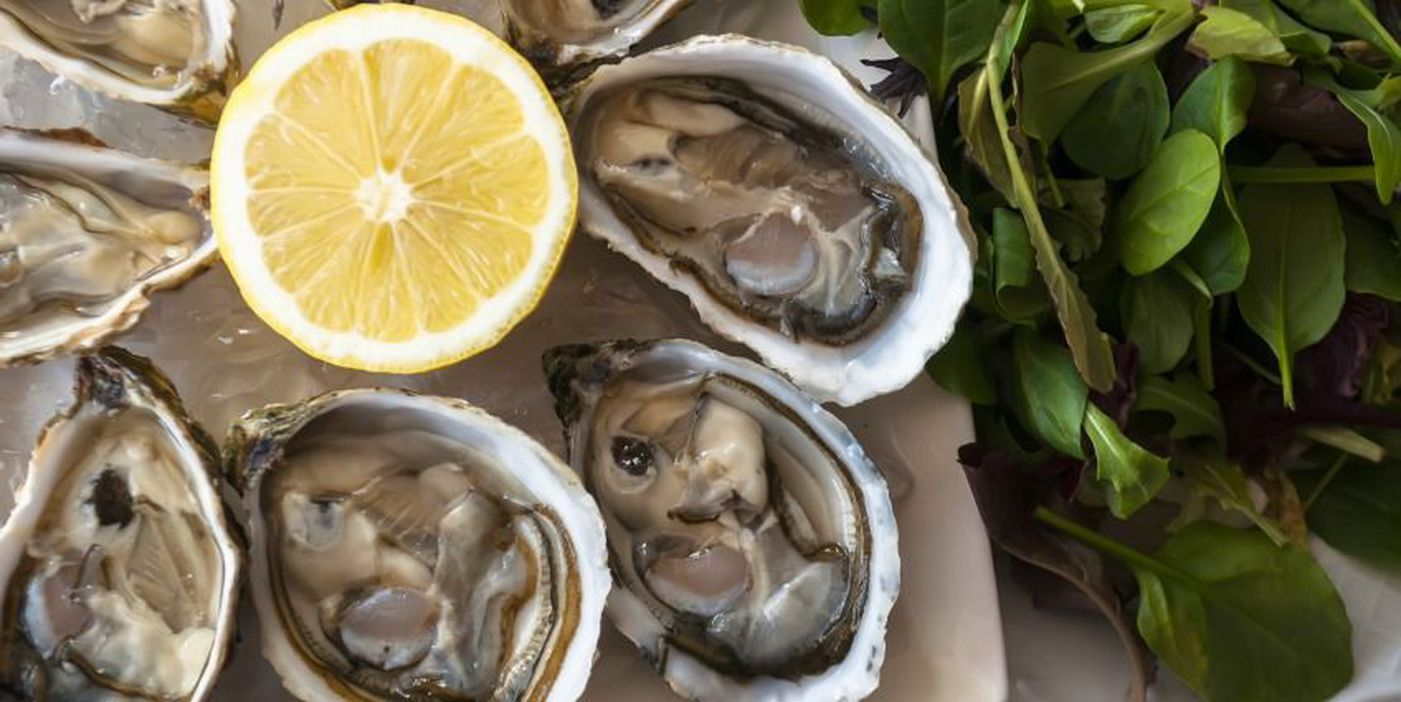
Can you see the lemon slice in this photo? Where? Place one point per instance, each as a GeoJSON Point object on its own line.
{"type": "Point", "coordinates": [392, 188]}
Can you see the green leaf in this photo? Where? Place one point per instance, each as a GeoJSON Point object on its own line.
{"type": "Point", "coordinates": [982, 139]}
{"type": "Point", "coordinates": [1295, 36]}
{"type": "Point", "coordinates": [1158, 319]}
{"type": "Point", "coordinates": [1373, 258]}
{"type": "Point", "coordinates": [1241, 619]}
{"type": "Point", "coordinates": [1353, 17]}
{"type": "Point", "coordinates": [1384, 138]}
{"type": "Point", "coordinates": [1226, 32]}
{"type": "Point", "coordinates": [1021, 294]}
{"type": "Point", "coordinates": [1220, 252]}
{"type": "Point", "coordinates": [1293, 290]}
{"type": "Point", "coordinates": [1216, 103]}
{"type": "Point", "coordinates": [1359, 511]}
{"type": "Point", "coordinates": [1194, 411]}
{"type": "Point", "coordinates": [1130, 475]}
{"type": "Point", "coordinates": [939, 36]}
{"type": "Point", "coordinates": [1113, 25]}
{"type": "Point", "coordinates": [1058, 81]}
{"type": "Point", "coordinates": [1168, 202]}
{"type": "Point", "coordinates": [1212, 476]}
{"type": "Point", "coordinates": [1116, 132]}
{"type": "Point", "coordinates": [961, 367]}
{"type": "Point", "coordinates": [835, 17]}
{"type": "Point", "coordinates": [1048, 394]}
{"type": "Point", "coordinates": [1079, 226]}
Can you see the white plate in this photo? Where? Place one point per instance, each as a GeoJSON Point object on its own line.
{"type": "Point", "coordinates": [945, 640]}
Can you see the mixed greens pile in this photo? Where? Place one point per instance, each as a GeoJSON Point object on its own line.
{"type": "Point", "coordinates": [1184, 346]}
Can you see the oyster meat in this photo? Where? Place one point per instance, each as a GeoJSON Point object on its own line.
{"type": "Point", "coordinates": [569, 32]}
{"type": "Point", "coordinates": [86, 233]}
{"type": "Point", "coordinates": [407, 547]}
{"type": "Point", "coordinates": [175, 54]}
{"type": "Point", "coordinates": [121, 572]}
{"type": "Point", "coordinates": [752, 542]}
{"type": "Point", "coordinates": [822, 237]}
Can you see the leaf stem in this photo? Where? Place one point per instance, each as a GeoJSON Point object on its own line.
{"type": "Point", "coordinates": [1103, 544]}
{"type": "Point", "coordinates": [1327, 478]}
{"type": "Point", "coordinates": [1266, 175]}
{"type": "Point", "coordinates": [1254, 365]}
{"type": "Point", "coordinates": [1346, 440]}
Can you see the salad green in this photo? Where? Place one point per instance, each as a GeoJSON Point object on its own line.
{"type": "Point", "coordinates": [1184, 345]}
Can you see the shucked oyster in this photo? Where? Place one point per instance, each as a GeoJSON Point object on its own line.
{"type": "Point", "coordinates": [86, 234]}
{"type": "Point", "coordinates": [120, 570]}
{"type": "Point", "coordinates": [796, 213]}
{"type": "Point", "coordinates": [564, 32]}
{"type": "Point", "coordinates": [174, 54]}
{"type": "Point", "coordinates": [415, 548]}
{"type": "Point", "coordinates": [753, 543]}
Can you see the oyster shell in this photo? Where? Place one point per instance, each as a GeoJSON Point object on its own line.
{"type": "Point", "coordinates": [795, 212]}
{"type": "Point", "coordinates": [86, 234]}
{"type": "Point", "coordinates": [571, 32]}
{"type": "Point", "coordinates": [752, 542]}
{"type": "Point", "coordinates": [414, 547]}
{"type": "Point", "coordinates": [175, 54]}
{"type": "Point", "coordinates": [121, 570]}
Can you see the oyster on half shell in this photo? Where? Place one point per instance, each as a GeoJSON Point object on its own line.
{"type": "Point", "coordinates": [407, 547]}
{"type": "Point", "coordinates": [120, 568]}
{"type": "Point", "coordinates": [86, 235]}
{"type": "Point", "coordinates": [571, 32]}
{"type": "Point", "coordinates": [752, 542]}
{"type": "Point", "coordinates": [175, 54]}
{"type": "Point", "coordinates": [796, 213]}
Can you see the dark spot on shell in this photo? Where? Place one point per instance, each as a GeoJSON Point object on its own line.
{"type": "Point", "coordinates": [111, 499]}
{"type": "Point", "coordinates": [634, 456]}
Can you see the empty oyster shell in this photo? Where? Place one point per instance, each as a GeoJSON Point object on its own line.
{"type": "Point", "coordinates": [175, 54]}
{"type": "Point", "coordinates": [86, 234]}
{"type": "Point", "coordinates": [571, 32]}
{"type": "Point", "coordinates": [752, 542]}
{"type": "Point", "coordinates": [120, 569]}
{"type": "Point", "coordinates": [414, 547]}
{"type": "Point", "coordinates": [796, 213]}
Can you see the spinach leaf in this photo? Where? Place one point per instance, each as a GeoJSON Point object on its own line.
{"type": "Point", "coordinates": [1359, 511]}
{"type": "Point", "coordinates": [1048, 395]}
{"type": "Point", "coordinates": [1220, 252]}
{"type": "Point", "coordinates": [939, 36]}
{"type": "Point", "coordinates": [1241, 619]}
{"type": "Point", "coordinates": [1130, 475]}
{"type": "Point", "coordinates": [1168, 202]}
{"type": "Point", "coordinates": [1216, 103]}
{"type": "Point", "coordinates": [1373, 258]}
{"type": "Point", "coordinates": [1353, 17]}
{"type": "Point", "coordinates": [961, 367]}
{"type": "Point", "coordinates": [1226, 32]}
{"type": "Point", "coordinates": [1293, 290]}
{"type": "Point", "coordinates": [835, 17]}
{"type": "Point", "coordinates": [1117, 24]}
{"type": "Point", "coordinates": [1116, 132]}
{"type": "Point", "coordinates": [1058, 81]}
{"type": "Point", "coordinates": [1020, 292]}
{"type": "Point", "coordinates": [1158, 319]}
{"type": "Point", "coordinates": [1212, 476]}
{"type": "Point", "coordinates": [1194, 412]}
{"type": "Point", "coordinates": [1384, 138]}
{"type": "Point", "coordinates": [1295, 36]}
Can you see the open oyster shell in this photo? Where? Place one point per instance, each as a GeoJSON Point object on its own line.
{"type": "Point", "coordinates": [571, 32]}
{"type": "Point", "coordinates": [415, 547]}
{"type": "Point", "coordinates": [752, 542]}
{"type": "Point", "coordinates": [86, 235]}
{"type": "Point", "coordinates": [120, 568]}
{"type": "Point", "coordinates": [175, 54]}
{"type": "Point", "coordinates": [796, 213]}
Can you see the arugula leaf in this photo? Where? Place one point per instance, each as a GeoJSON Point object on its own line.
{"type": "Point", "coordinates": [1058, 81]}
{"type": "Point", "coordinates": [1293, 290]}
{"type": "Point", "coordinates": [1130, 474]}
{"type": "Point", "coordinates": [1226, 32]}
{"type": "Point", "coordinates": [961, 367]}
{"type": "Point", "coordinates": [1220, 252]}
{"type": "Point", "coordinates": [1020, 292]}
{"type": "Point", "coordinates": [1373, 258]}
{"type": "Point", "coordinates": [835, 17]}
{"type": "Point", "coordinates": [1195, 413]}
{"type": "Point", "coordinates": [1158, 319]}
{"type": "Point", "coordinates": [1117, 131]}
{"type": "Point", "coordinates": [1359, 511]}
{"type": "Point", "coordinates": [1217, 101]}
{"type": "Point", "coordinates": [1047, 392]}
{"type": "Point", "coordinates": [1168, 202]}
{"type": "Point", "coordinates": [939, 36]}
{"type": "Point", "coordinates": [1353, 17]}
{"type": "Point", "coordinates": [1214, 477]}
{"type": "Point", "coordinates": [982, 140]}
{"type": "Point", "coordinates": [1296, 37]}
{"type": "Point", "coordinates": [1117, 24]}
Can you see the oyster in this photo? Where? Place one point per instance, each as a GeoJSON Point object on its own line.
{"type": "Point", "coordinates": [752, 542]}
{"type": "Point", "coordinates": [120, 569]}
{"type": "Point", "coordinates": [86, 234]}
{"type": "Point", "coordinates": [796, 213]}
{"type": "Point", "coordinates": [571, 32]}
{"type": "Point", "coordinates": [413, 547]}
{"type": "Point", "coordinates": [174, 54]}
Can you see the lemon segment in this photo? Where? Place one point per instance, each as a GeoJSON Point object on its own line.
{"type": "Point", "coordinates": [392, 188]}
